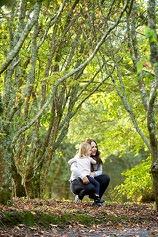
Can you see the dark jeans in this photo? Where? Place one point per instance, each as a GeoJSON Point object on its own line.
{"type": "Point", "coordinates": [95, 183]}
{"type": "Point", "coordinates": [104, 181]}
{"type": "Point", "coordinates": [77, 186]}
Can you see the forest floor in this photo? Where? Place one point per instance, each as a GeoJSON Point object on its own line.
{"type": "Point", "coordinates": [67, 219]}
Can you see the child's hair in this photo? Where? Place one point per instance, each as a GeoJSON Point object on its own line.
{"type": "Point", "coordinates": [83, 149]}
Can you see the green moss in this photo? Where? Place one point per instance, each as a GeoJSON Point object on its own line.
{"type": "Point", "coordinates": [5, 197]}
{"type": "Point", "coordinates": [65, 219]}
{"type": "Point", "coordinates": [28, 218]}
{"type": "Point", "coordinates": [15, 218]}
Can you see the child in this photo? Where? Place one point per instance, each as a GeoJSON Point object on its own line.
{"type": "Point", "coordinates": [84, 162]}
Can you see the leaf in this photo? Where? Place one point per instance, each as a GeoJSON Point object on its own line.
{"type": "Point", "coordinates": [151, 35]}
{"type": "Point", "coordinates": [139, 67]}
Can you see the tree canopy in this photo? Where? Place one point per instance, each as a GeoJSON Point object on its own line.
{"type": "Point", "coordinates": [91, 65]}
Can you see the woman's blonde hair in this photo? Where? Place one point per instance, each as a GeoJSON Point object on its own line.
{"type": "Point", "coordinates": [83, 149]}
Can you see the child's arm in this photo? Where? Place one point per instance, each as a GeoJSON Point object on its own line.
{"type": "Point", "coordinates": [74, 168]}
{"type": "Point", "coordinates": [93, 161]}
{"type": "Point", "coordinates": [72, 161]}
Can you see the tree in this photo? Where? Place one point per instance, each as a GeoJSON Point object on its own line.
{"type": "Point", "coordinates": [135, 74]}
{"type": "Point", "coordinates": [146, 80]}
{"type": "Point", "coordinates": [44, 80]}
{"type": "Point", "coordinates": [151, 113]}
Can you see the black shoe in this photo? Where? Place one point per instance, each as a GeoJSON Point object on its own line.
{"type": "Point", "coordinates": [98, 204]}
{"type": "Point", "coordinates": [98, 201]}
{"type": "Point", "coordinates": [81, 194]}
{"type": "Point", "coordinates": [102, 201]}
{"type": "Point", "coordinates": [93, 196]}
{"type": "Point", "coordinates": [96, 197]}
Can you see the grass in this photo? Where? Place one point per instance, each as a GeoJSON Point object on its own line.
{"type": "Point", "coordinates": [13, 218]}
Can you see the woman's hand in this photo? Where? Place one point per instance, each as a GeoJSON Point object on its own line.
{"type": "Point", "coordinates": [85, 180]}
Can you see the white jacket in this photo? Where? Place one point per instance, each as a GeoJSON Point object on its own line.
{"type": "Point", "coordinates": [80, 167]}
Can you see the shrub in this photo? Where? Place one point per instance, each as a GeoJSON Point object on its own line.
{"type": "Point", "coordinates": [137, 185]}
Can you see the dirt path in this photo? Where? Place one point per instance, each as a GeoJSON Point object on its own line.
{"type": "Point", "coordinates": [100, 231]}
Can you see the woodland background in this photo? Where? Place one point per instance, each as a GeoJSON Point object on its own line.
{"type": "Point", "coordinates": [72, 70]}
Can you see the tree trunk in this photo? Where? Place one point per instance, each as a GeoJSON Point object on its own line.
{"type": "Point", "coordinates": [153, 42]}
{"type": "Point", "coordinates": [154, 171]}
{"type": "Point", "coordinates": [32, 184]}
{"type": "Point", "coordinates": [19, 189]}
{"type": "Point", "coordinates": [5, 179]}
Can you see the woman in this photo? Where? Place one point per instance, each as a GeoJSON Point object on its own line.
{"type": "Point", "coordinates": [81, 186]}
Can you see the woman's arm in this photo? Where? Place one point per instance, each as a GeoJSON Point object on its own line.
{"type": "Point", "coordinates": [98, 171]}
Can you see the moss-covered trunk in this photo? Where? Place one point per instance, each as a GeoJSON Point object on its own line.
{"type": "Point", "coordinates": [151, 113]}
{"type": "Point", "coordinates": [5, 177]}
{"type": "Point", "coordinates": [154, 171]}
{"type": "Point", "coordinates": [32, 185]}
{"type": "Point", "coordinates": [19, 189]}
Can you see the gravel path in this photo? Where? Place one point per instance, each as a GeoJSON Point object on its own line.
{"type": "Point", "coordinates": [22, 231]}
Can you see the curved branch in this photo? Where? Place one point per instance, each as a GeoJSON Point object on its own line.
{"type": "Point", "coordinates": [96, 49]}
{"type": "Point", "coordinates": [52, 21]}
{"type": "Point", "coordinates": [19, 44]}
{"type": "Point", "coordinates": [71, 73]}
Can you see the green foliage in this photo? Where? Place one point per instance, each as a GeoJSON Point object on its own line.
{"type": "Point", "coordinates": [104, 119]}
{"type": "Point", "coordinates": [7, 3]}
{"type": "Point", "coordinates": [5, 195]}
{"type": "Point", "coordinates": [59, 174]}
{"type": "Point", "coordinates": [69, 38]}
{"type": "Point", "coordinates": [151, 35]}
{"type": "Point", "coordinates": [115, 165]}
{"type": "Point", "coordinates": [137, 184]}
{"type": "Point", "coordinates": [139, 66]}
